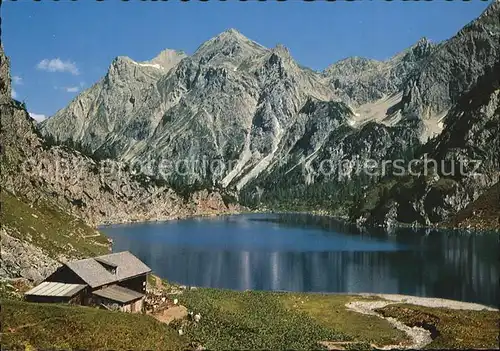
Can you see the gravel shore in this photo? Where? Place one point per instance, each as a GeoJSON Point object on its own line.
{"type": "Point", "coordinates": [419, 337]}
{"type": "Point", "coordinates": [432, 302]}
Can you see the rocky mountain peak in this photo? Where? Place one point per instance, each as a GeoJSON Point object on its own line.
{"type": "Point", "coordinates": [423, 43]}
{"type": "Point", "coordinates": [453, 67]}
{"type": "Point", "coordinates": [421, 49]}
{"type": "Point", "coordinates": [229, 37]}
{"type": "Point", "coordinates": [124, 68]}
{"type": "Point", "coordinates": [354, 63]}
{"type": "Point", "coordinates": [229, 48]}
{"type": "Point", "coordinates": [231, 34]}
{"type": "Point", "coordinates": [282, 51]}
{"type": "Point", "coordinates": [167, 59]}
{"type": "Point", "coordinates": [120, 66]}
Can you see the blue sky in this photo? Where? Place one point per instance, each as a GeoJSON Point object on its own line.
{"type": "Point", "coordinates": [59, 48]}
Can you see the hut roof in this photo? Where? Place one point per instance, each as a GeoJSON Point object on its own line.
{"type": "Point", "coordinates": [108, 269]}
{"type": "Point", "coordinates": [118, 293]}
{"type": "Point", "coordinates": [55, 289]}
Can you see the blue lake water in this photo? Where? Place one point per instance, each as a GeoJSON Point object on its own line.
{"type": "Point", "coordinates": [296, 252]}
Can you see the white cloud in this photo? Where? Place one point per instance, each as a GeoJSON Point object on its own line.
{"type": "Point", "coordinates": [57, 65]}
{"type": "Point", "coordinates": [72, 89]}
{"type": "Point", "coordinates": [37, 117]}
{"type": "Point", "coordinates": [17, 80]}
{"type": "Point", "coordinates": [13, 94]}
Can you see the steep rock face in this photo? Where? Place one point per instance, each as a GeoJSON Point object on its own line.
{"type": "Point", "coordinates": [166, 60]}
{"type": "Point", "coordinates": [467, 162]}
{"type": "Point", "coordinates": [115, 102]}
{"type": "Point", "coordinates": [361, 80]}
{"type": "Point", "coordinates": [20, 257]}
{"type": "Point", "coordinates": [423, 82]}
{"type": "Point", "coordinates": [454, 66]}
{"type": "Point", "coordinates": [5, 83]}
{"type": "Point", "coordinates": [317, 124]}
{"type": "Point", "coordinates": [483, 213]}
{"type": "Point", "coordinates": [472, 126]}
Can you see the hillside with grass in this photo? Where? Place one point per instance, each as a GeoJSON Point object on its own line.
{"type": "Point", "coordinates": [37, 236]}
{"type": "Point", "coordinates": [28, 326]}
{"type": "Point", "coordinates": [252, 320]}
{"type": "Point", "coordinates": [56, 232]}
{"type": "Point", "coordinates": [266, 320]}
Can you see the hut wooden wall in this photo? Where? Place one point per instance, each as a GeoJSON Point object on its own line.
{"type": "Point", "coordinates": [137, 284]}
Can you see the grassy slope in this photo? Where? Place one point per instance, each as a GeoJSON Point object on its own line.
{"type": "Point", "coordinates": [50, 229]}
{"type": "Point", "coordinates": [239, 320]}
{"type": "Point", "coordinates": [252, 319]}
{"type": "Point", "coordinates": [51, 326]}
{"type": "Point", "coordinates": [330, 311]}
{"type": "Point", "coordinates": [453, 329]}
{"type": "Point", "coordinates": [265, 320]}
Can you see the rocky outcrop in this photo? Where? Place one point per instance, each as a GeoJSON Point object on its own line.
{"type": "Point", "coordinates": [5, 83]}
{"type": "Point", "coordinates": [465, 163]}
{"type": "Point", "coordinates": [482, 214]}
{"type": "Point", "coordinates": [20, 259]}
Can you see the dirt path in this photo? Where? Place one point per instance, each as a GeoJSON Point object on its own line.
{"type": "Point", "coordinates": [419, 336]}
{"type": "Point", "coordinates": [167, 315]}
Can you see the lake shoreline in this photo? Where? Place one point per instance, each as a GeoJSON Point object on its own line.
{"type": "Point", "coordinates": [269, 252]}
{"type": "Point", "coordinates": [173, 218]}
{"type": "Point", "coordinates": [325, 214]}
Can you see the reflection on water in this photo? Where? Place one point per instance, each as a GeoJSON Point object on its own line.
{"type": "Point", "coordinates": [308, 253]}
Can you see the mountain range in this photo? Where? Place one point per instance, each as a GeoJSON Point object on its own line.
{"type": "Point", "coordinates": [271, 125]}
